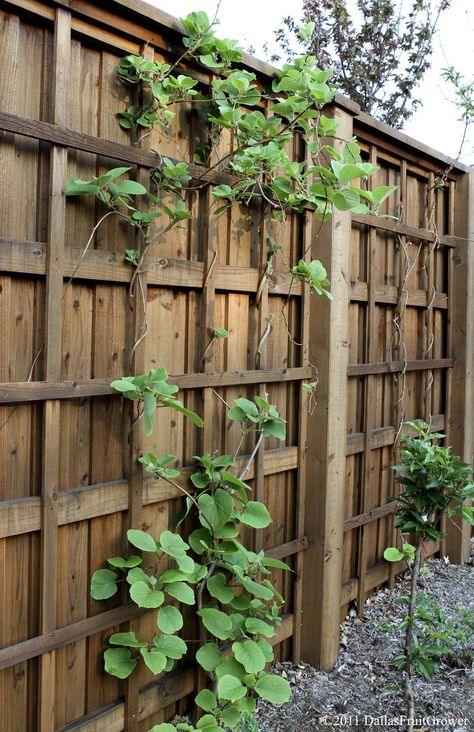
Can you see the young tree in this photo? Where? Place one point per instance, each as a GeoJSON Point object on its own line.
{"type": "Point", "coordinates": [379, 50]}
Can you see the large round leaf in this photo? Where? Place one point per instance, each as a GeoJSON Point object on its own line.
{"type": "Point", "coordinates": [119, 662]}
{"type": "Point", "coordinates": [143, 596]}
{"type": "Point", "coordinates": [229, 687]}
{"type": "Point", "coordinates": [170, 645]}
{"type": "Point", "coordinates": [216, 622]}
{"type": "Point", "coordinates": [391, 554]}
{"type": "Point", "coordinates": [273, 688]}
{"type": "Point", "coordinates": [169, 619]}
{"type": "Point", "coordinates": [141, 540]}
{"type": "Point", "coordinates": [216, 510]}
{"type": "Point", "coordinates": [250, 655]}
{"type": "Point", "coordinates": [255, 515]}
{"type": "Point", "coordinates": [206, 700]}
{"type": "Point", "coordinates": [181, 591]}
{"type": "Point", "coordinates": [217, 587]}
{"type": "Point", "coordinates": [103, 584]}
{"type": "Point", "coordinates": [256, 625]}
{"type": "Point", "coordinates": [173, 545]}
{"type": "Point", "coordinates": [154, 659]}
{"type": "Point", "coordinates": [209, 656]}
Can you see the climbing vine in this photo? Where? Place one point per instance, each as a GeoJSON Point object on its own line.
{"type": "Point", "coordinates": [229, 585]}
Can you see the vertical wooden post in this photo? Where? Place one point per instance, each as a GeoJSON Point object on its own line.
{"type": "Point", "coordinates": [326, 465]}
{"type": "Point", "coordinates": [462, 394]}
{"type": "Point", "coordinates": [369, 403]}
{"type": "Point", "coordinates": [52, 354]}
{"type": "Point", "coordinates": [304, 406]}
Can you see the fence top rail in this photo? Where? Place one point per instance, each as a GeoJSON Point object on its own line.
{"type": "Point", "coordinates": [144, 19]}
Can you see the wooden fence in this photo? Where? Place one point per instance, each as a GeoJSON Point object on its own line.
{"type": "Point", "coordinates": [396, 343]}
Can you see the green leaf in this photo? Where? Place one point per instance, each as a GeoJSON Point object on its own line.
{"type": "Point", "coordinates": [182, 592]}
{"type": "Point", "coordinates": [274, 428]}
{"type": "Point", "coordinates": [164, 727]}
{"type": "Point", "coordinates": [247, 406]}
{"type": "Point", "coordinates": [169, 619]}
{"type": "Point", "coordinates": [222, 191]}
{"type": "Point", "coordinates": [122, 563]}
{"type": "Point", "coordinates": [217, 587]}
{"type": "Point", "coordinates": [186, 564]}
{"type": "Point", "coordinates": [217, 509]}
{"type": "Point", "coordinates": [231, 715]}
{"type": "Point", "coordinates": [256, 625]}
{"type": "Point", "coordinates": [273, 688]}
{"type": "Point", "coordinates": [179, 407]}
{"type": "Point", "coordinates": [391, 554]}
{"type": "Point", "coordinates": [209, 656]}
{"type": "Point", "coordinates": [137, 575]}
{"type": "Point", "coordinates": [229, 687]}
{"type": "Point", "coordinates": [250, 655]}
{"type": "Point", "coordinates": [346, 199]}
{"type": "Point", "coordinates": [126, 639]}
{"type": "Point", "coordinates": [141, 540]}
{"type": "Point", "coordinates": [266, 649]}
{"type": "Point", "coordinates": [208, 723]}
{"type": "Point", "coordinates": [78, 187]}
{"type": "Point", "coordinates": [200, 540]}
{"type": "Point", "coordinates": [206, 700]}
{"type": "Point", "coordinates": [255, 514]}
{"type": "Point", "coordinates": [131, 187]}
{"type": "Point", "coordinates": [143, 596]}
{"type": "Point", "coordinates": [103, 584]}
{"type": "Point", "coordinates": [119, 662]}
{"type": "Point", "coordinates": [257, 589]}
{"type": "Point", "coordinates": [127, 387]}
{"type": "Point", "coordinates": [275, 563]}
{"type": "Point", "coordinates": [170, 645]}
{"type": "Point", "coordinates": [216, 622]}
{"type": "Point", "coordinates": [173, 545]}
{"type": "Point", "coordinates": [154, 659]}
{"type": "Point", "coordinates": [231, 667]}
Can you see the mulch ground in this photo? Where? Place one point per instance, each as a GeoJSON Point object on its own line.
{"type": "Point", "coordinates": [357, 694]}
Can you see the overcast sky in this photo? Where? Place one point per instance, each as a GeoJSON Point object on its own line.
{"type": "Point", "coordinates": [435, 124]}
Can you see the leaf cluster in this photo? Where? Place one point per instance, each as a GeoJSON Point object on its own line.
{"type": "Point", "coordinates": [230, 585]}
{"type": "Point", "coordinates": [431, 478]}
{"type": "Point", "coordinates": [152, 390]}
{"type": "Point", "coordinates": [116, 195]}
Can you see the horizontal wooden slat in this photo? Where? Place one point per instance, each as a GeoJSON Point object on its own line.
{"type": "Point", "coordinates": [384, 436]}
{"type": "Point", "coordinates": [388, 295]}
{"type": "Point", "coordinates": [22, 515]}
{"type": "Point", "coordinates": [64, 137]}
{"type": "Point", "coordinates": [411, 232]}
{"type": "Point", "coordinates": [377, 575]}
{"type": "Point", "coordinates": [393, 367]}
{"type": "Point", "coordinates": [368, 516]}
{"type": "Point", "coordinates": [287, 550]}
{"type": "Point", "coordinates": [33, 647]}
{"type": "Point", "coordinates": [30, 391]}
{"type": "Point", "coordinates": [29, 257]}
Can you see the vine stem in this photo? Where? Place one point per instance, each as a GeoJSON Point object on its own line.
{"type": "Point", "coordinates": [251, 457]}
{"type": "Point", "coordinates": [89, 242]}
{"type": "Point", "coordinates": [408, 687]}
{"type": "Point", "coordinates": [191, 498]}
